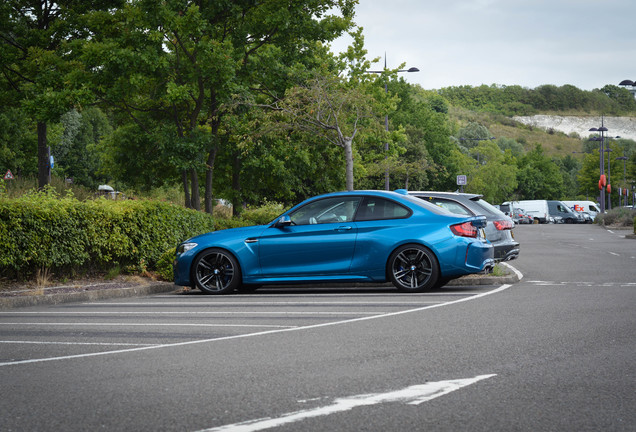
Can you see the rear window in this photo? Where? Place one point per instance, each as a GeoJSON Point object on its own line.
{"type": "Point", "coordinates": [490, 208]}
{"type": "Point", "coordinates": [422, 202]}
{"type": "Point", "coordinates": [374, 208]}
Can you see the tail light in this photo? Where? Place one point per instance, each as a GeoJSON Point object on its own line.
{"type": "Point", "coordinates": [465, 229]}
{"type": "Point", "coordinates": [503, 224]}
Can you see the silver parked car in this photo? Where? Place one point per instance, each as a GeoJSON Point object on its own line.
{"type": "Point", "coordinates": [499, 229]}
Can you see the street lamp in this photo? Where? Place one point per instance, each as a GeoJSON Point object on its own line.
{"type": "Point", "coordinates": [609, 172]}
{"type": "Point", "coordinates": [624, 159]}
{"type": "Point", "coordinates": [386, 119]}
{"type": "Point", "coordinates": [602, 130]}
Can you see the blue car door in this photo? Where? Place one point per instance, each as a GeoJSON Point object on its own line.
{"type": "Point", "coordinates": [320, 241]}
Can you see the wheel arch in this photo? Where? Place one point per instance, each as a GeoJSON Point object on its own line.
{"type": "Point", "coordinates": [387, 266]}
{"type": "Point", "coordinates": [206, 249]}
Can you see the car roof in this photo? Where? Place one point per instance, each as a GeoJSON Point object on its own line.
{"type": "Point", "coordinates": [399, 195]}
{"type": "Point", "coordinates": [470, 196]}
{"type": "Point", "coordinates": [466, 199]}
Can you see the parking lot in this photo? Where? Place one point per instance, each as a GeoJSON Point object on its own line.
{"type": "Point", "coordinates": [64, 332]}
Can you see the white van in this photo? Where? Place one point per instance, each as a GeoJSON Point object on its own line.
{"type": "Point", "coordinates": [589, 207]}
{"type": "Point", "coordinates": [538, 209]}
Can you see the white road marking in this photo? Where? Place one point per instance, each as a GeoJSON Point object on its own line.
{"type": "Point", "coordinates": [396, 302]}
{"type": "Point", "coordinates": [105, 324]}
{"type": "Point", "coordinates": [517, 272]}
{"type": "Point", "coordinates": [75, 343]}
{"type": "Point", "coordinates": [263, 333]}
{"type": "Point", "coordinates": [413, 395]}
{"type": "Point", "coordinates": [613, 253]}
{"type": "Point", "coordinates": [198, 313]}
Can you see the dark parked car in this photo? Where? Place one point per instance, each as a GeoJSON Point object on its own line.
{"type": "Point", "coordinates": [354, 236]}
{"type": "Point", "coordinates": [499, 227]}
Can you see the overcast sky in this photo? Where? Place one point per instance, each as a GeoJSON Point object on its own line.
{"type": "Point", "coordinates": [586, 43]}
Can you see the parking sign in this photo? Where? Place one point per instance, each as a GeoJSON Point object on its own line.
{"type": "Point", "coordinates": [461, 180]}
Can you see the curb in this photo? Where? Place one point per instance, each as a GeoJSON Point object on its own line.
{"type": "Point", "coordinates": [83, 296]}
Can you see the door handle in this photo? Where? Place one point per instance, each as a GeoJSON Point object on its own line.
{"type": "Point", "coordinates": [342, 228]}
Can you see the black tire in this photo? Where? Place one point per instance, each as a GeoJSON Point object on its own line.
{"type": "Point", "coordinates": [216, 271]}
{"type": "Point", "coordinates": [413, 268]}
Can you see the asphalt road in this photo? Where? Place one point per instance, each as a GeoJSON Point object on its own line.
{"type": "Point", "coordinates": [554, 352]}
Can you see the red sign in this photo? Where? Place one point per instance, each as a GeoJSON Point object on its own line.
{"type": "Point", "coordinates": [8, 175]}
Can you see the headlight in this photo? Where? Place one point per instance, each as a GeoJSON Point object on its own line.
{"type": "Point", "coordinates": [184, 247]}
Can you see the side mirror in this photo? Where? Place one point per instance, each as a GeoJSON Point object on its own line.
{"type": "Point", "coordinates": [283, 221]}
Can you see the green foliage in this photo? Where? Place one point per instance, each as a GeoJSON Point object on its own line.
{"type": "Point", "coordinates": [516, 100]}
{"type": "Point", "coordinates": [539, 177]}
{"type": "Point", "coordinates": [44, 230]}
{"type": "Point", "coordinates": [622, 217]}
{"type": "Point", "coordinates": [164, 265]}
{"type": "Point", "coordinates": [251, 216]}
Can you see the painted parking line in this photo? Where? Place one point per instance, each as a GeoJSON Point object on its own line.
{"type": "Point", "coordinates": [115, 313]}
{"type": "Point", "coordinates": [72, 343]}
{"type": "Point", "coordinates": [106, 324]}
{"type": "Point", "coordinates": [256, 334]}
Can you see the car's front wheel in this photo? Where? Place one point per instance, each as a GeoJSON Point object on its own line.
{"type": "Point", "coordinates": [413, 268]}
{"type": "Point", "coordinates": [216, 272]}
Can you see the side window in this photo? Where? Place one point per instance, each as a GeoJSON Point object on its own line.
{"type": "Point", "coordinates": [327, 210]}
{"type": "Point", "coordinates": [373, 208]}
{"type": "Point", "coordinates": [451, 206]}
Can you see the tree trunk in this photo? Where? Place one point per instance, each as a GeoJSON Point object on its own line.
{"type": "Point", "coordinates": [209, 176]}
{"type": "Point", "coordinates": [236, 184]}
{"type": "Point", "coordinates": [186, 188]}
{"type": "Point", "coordinates": [196, 200]}
{"type": "Point", "coordinates": [348, 148]}
{"type": "Point", "coordinates": [44, 170]}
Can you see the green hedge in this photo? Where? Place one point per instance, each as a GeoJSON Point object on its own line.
{"type": "Point", "coordinates": [43, 230]}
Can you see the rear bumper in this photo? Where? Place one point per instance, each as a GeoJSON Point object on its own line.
{"type": "Point", "coordinates": [506, 252]}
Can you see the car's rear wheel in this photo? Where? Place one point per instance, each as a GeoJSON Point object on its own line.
{"type": "Point", "coordinates": [216, 272]}
{"type": "Point", "coordinates": [413, 268]}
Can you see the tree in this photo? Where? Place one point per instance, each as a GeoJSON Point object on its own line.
{"type": "Point", "coordinates": [77, 153]}
{"type": "Point", "coordinates": [327, 107]}
{"type": "Point", "coordinates": [538, 176]}
{"type": "Point", "coordinates": [35, 61]}
{"type": "Point", "coordinates": [175, 68]}
{"type": "Point", "coordinates": [494, 175]}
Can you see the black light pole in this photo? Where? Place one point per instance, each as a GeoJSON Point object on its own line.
{"type": "Point", "coordinates": [609, 172]}
{"type": "Point", "coordinates": [386, 119]}
{"type": "Point", "coordinates": [602, 130]}
{"type": "Point", "coordinates": [624, 159]}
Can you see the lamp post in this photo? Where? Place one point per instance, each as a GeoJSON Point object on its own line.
{"type": "Point", "coordinates": [609, 172]}
{"type": "Point", "coordinates": [624, 159]}
{"type": "Point", "coordinates": [386, 119]}
{"type": "Point", "coordinates": [602, 130]}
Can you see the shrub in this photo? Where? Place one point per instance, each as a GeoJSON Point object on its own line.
{"type": "Point", "coordinates": [164, 265]}
{"type": "Point", "coordinates": [43, 230]}
{"type": "Point", "coordinates": [620, 217]}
